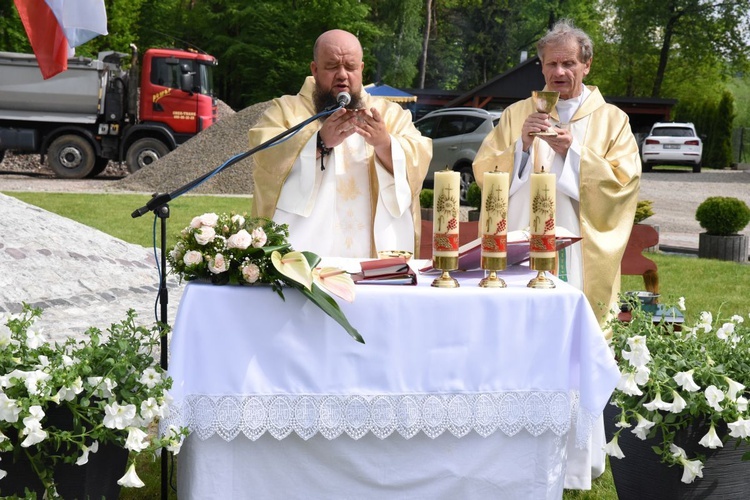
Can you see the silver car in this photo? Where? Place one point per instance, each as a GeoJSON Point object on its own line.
{"type": "Point", "coordinates": [456, 135]}
{"type": "Point", "coordinates": [672, 144]}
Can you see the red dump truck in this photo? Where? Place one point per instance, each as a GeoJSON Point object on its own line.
{"type": "Point", "coordinates": [96, 111]}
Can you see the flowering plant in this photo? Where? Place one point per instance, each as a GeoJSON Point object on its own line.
{"type": "Point", "coordinates": [672, 379]}
{"type": "Point", "coordinates": [60, 402]}
{"type": "Point", "coordinates": [231, 249]}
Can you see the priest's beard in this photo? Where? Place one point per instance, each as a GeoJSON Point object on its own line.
{"type": "Point", "coordinates": [325, 100]}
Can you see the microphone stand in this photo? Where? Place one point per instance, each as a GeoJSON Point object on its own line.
{"type": "Point", "coordinates": [159, 204]}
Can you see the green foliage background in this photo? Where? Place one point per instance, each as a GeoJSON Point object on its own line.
{"type": "Point", "coordinates": [690, 50]}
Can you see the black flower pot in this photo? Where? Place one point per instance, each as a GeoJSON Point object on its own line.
{"type": "Point", "coordinates": [95, 479]}
{"type": "Point", "coordinates": [642, 476]}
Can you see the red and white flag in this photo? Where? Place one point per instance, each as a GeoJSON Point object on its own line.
{"type": "Point", "coordinates": [54, 27]}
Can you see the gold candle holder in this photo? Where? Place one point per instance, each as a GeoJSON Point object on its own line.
{"type": "Point", "coordinates": [541, 265]}
{"type": "Point", "coordinates": [445, 264]}
{"type": "Point", "coordinates": [493, 265]}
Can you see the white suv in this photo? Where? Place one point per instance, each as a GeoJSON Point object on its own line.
{"type": "Point", "coordinates": [456, 135]}
{"type": "Point", "coordinates": [672, 144]}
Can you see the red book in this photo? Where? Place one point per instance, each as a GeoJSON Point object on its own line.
{"type": "Point", "coordinates": [393, 270]}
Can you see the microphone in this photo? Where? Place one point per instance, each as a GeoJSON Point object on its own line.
{"type": "Point", "coordinates": [343, 99]}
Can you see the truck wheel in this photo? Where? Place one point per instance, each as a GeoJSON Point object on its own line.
{"type": "Point", "coordinates": [71, 157]}
{"type": "Point", "coordinates": [100, 165]}
{"type": "Point", "coordinates": [144, 152]}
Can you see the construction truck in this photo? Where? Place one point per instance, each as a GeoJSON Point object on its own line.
{"type": "Point", "coordinates": [96, 111]}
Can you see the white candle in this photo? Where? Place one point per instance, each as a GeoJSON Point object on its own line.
{"type": "Point", "coordinates": [542, 221]}
{"type": "Point", "coordinates": [446, 212]}
{"type": "Point", "coordinates": [494, 219]}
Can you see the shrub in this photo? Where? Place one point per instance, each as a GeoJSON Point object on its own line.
{"type": "Point", "coordinates": [643, 211]}
{"type": "Point", "coordinates": [426, 197]}
{"type": "Point", "coordinates": [474, 195]}
{"type": "Point", "coordinates": [723, 216]}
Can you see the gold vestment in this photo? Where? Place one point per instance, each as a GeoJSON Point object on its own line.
{"type": "Point", "coordinates": [272, 165]}
{"type": "Point", "coordinates": [610, 170]}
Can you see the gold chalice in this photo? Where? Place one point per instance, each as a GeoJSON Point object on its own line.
{"type": "Point", "coordinates": [545, 102]}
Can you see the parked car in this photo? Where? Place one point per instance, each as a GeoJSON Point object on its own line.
{"type": "Point", "coordinates": [456, 135]}
{"type": "Point", "coordinates": [672, 144]}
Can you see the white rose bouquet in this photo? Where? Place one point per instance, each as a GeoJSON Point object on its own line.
{"type": "Point", "coordinates": [672, 379]}
{"type": "Point", "coordinates": [232, 249]}
{"type": "Point", "coordinates": [60, 402]}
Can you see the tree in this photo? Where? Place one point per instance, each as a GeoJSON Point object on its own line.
{"type": "Point", "coordinates": [398, 43]}
{"type": "Point", "coordinates": [660, 43]}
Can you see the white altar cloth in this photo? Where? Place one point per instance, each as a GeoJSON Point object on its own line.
{"type": "Point", "coordinates": [466, 392]}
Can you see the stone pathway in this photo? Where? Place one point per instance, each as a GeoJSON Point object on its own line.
{"type": "Point", "coordinates": [79, 276]}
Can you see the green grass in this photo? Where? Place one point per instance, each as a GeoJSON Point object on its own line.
{"type": "Point", "coordinates": [705, 284]}
{"type": "Point", "coordinates": [111, 212]}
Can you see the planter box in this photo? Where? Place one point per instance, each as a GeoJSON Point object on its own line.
{"type": "Point", "coordinates": [732, 247]}
{"type": "Point", "coordinates": [642, 476]}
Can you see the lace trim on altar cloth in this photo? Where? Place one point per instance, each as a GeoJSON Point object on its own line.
{"type": "Point", "coordinates": [408, 414]}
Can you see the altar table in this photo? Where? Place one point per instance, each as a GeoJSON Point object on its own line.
{"type": "Point", "coordinates": [457, 393]}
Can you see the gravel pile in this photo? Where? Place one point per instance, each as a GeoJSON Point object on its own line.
{"type": "Point", "coordinates": [201, 154]}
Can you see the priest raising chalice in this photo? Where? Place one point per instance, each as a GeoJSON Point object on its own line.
{"type": "Point", "coordinates": [594, 158]}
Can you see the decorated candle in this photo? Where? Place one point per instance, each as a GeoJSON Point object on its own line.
{"type": "Point", "coordinates": [445, 218]}
{"type": "Point", "coordinates": [542, 221]}
{"type": "Point", "coordinates": [494, 220]}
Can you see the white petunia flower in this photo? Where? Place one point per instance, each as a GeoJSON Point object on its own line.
{"type": "Point", "coordinates": [131, 479]}
{"type": "Point", "coordinates": [103, 386]}
{"type": "Point", "coordinates": [734, 388]}
{"type": "Point", "coordinates": [678, 403]}
{"type": "Point", "coordinates": [714, 396]}
{"type": "Point", "coordinates": [84, 458]}
{"type": "Point", "coordinates": [613, 449]}
{"type": "Point", "coordinates": [676, 451]}
{"type": "Point", "coordinates": [725, 331]}
{"type": "Point", "coordinates": [118, 417]}
{"type": "Point", "coordinates": [740, 428]}
{"type": "Point", "coordinates": [627, 384]}
{"type": "Point", "coordinates": [742, 404]}
{"type": "Point", "coordinates": [642, 374]}
{"type": "Point", "coordinates": [711, 439]}
{"type": "Point", "coordinates": [685, 380]}
{"type": "Point", "coordinates": [692, 469]}
{"type": "Point", "coordinates": [641, 430]}
{"type": "Point", "coordinates": [705, 321]}
{"type": "Point", "coordinates": [658, 404]}
{"type": "Point", "coordinates": [137, 440]}
{"type": "Point", "coordinates": [34, 338]}
{"type": "Point", "coordinates": [33, 427]}
{"type": "Point", "coordinates": [638, 354]}
{"type": "Point", "coordinates": [737, 319]}
{"type": "Point", "coordinates": [9, 409]}
{"type": "Point", "coordinates": [150, 378]}
{"type": "Point", "coordinates": [175, 440]}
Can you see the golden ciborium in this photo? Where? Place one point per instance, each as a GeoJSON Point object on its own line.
{"type": "Point", "coordinates": [544, 102]}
